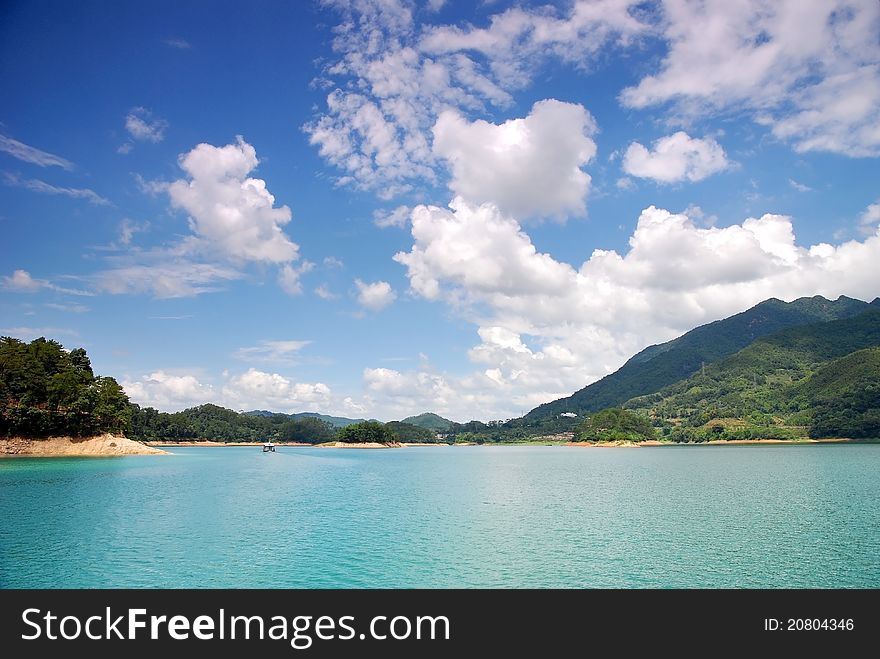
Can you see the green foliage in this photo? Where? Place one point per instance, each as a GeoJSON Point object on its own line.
{"type": "Point", "coordinates": [45, 390]}
{"type": "Point", "coordinates": [366, 431]}
{"type": "Point", "coordinates": [218, 424]}
{"type": "Point", "coordinates": [430, 421]}
{"type": "Point", "coordinates": [407, 432]}
{"type": "Point", "coordinates": [663, 365]}
{"type": "Point", "coordinates": [815, 379]}
{"type": "Point", "coordinates": [844, 396]}
{"type": "Point", "coordinates": [615, 424]}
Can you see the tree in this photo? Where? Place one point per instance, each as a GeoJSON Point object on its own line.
{"type": "Point", "coordinates": [366, 431]}
{"type": "Point", "coordinates": [615, 424]}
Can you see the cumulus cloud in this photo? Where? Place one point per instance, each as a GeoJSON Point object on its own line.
{"type": "Point", "coordinates": [32, 154]}
{"type": "Point", "coordinates": [167, 391]}
{"type": "Point", "coordinates": [870, 218]}
{"type": "Point", "coordinates": [393, 77]}
{"type": "Point", "coordinates": [547, 328]}
{"type": "Point", "coordinates": [233, 222]}
{"type": "Point", "coordinates": [141, 125]}
{"type": "Point", "coordinates": [808, 70]}
{"type": "Point", "coordinates": [675, 158]}
{"type": "Point", "coordinates": [21, 281]}
{"type": "Point", "coordinates": [391, 218]}
{"type": "Point", "coordinates": [252, 389]}
{"type": "Point", "coordinates": [374, 296]}
{"type": "Point", "coordinates": [228, 211]}
{"type": "Point", "coordinates": [256, 389]}
{"type": "Point", "coordinates": [528, 167]}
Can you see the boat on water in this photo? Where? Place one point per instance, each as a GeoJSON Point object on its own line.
{"type": "Point", "coordinates": [268, 447]}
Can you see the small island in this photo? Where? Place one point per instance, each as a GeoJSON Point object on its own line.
{"type": "Point", "coordinates": [52, 404]}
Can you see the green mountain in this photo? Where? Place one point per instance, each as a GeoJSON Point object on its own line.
{"type": "Point", "coordinates": [429, 421]}
{"type": "Point", "coordinates": [661, 365]}
{"type": "Point", "coordinates": [777, 385]}
{"type": "Point", "coordinates": [335, 421]}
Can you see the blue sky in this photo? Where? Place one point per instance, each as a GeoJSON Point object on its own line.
{"type": "Point", "coordinates": [377, 208]}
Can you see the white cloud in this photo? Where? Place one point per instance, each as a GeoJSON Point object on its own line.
{"type": "Point", "coordinates": [800, 187]}
{"type": "Point", "coordinates": [870, 217]}
{"type": "Point", "coordinates": [71, 308]}
{"type": "Point", "coordinates": [252, 389]}
{"type": "Point", "coordinates": [31, 333]}
{"type": "Point", "coordinates": [517, 40]}
{"type": "Point", "coordinates": [528, 167]}
{"type": "Point", "coordinates": [333, 262]}
{"type": "Point", "coordinates": [33, 155]}
{"type": "Point", "coordinates": [547, 328]}
{"type": "Point", "coordinates": [165, 277]}
{"type": "Point", "coordinates": [272, 351]}
{"type": "Point", "coordinates": [289, 277]}
{"type": "Point", "coordinates": [325, 293]}
{"type": "Point", "coordinates": [141, 125]}
{"type": "Point", "coordinates": [809, 70]}
{"type": "Point", "coordinates": [178, 43]}
{"type": "Point", "coordinates": [675, 158]}
{"type": "Point", "coordinates": [233, 222]}
{"type": "Point", "coordinates": [394, 77]}
{"type": "Point", "coordinates": [168, 392]}
{"type": "Point", "coordinates": [21, 281]}
{"type": "Point", "coordinates": [231, 214]}
{"type": "Point", "coordinates": [391, 218]}
{"type": "Point", "coordinates": [36, 185]}
{"type": "Point", "coordinates": [374, 296]}
{"type": "Point", "coordinates": [256, 389]}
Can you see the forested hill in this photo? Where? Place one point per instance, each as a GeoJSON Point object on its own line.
{"type": "Point", "coordinates": [791, 379]}
{"type": "Point", "coordinates": [46, 390]}
{"type": "Point", "coordinates": [335, 421]}
{"type": "Point", "coordinates": [429, 421]}
{"type": "Point", "coordinates": [661, 365]}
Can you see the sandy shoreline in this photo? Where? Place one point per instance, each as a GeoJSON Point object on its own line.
{"type": "Point", "coordinates": [100, 446]}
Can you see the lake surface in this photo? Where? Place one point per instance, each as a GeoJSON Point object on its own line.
{"type": "Point", "coordinates": [512, 517]}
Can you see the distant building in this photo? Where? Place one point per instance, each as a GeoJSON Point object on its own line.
{"type": "Point", "coordinates": [568, 415]}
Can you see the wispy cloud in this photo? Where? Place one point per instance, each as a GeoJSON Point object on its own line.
{"type": "Point", "coordinates": [800, 187]}
{"type": "Point", "coordinates": [32, 154]}
{"type": "Point", "coordinates": [31, 333]}
{"type": "Point", "coordinates": [21, 281]}
{"type": "Point", "coordinates": [36, 185]}
{"type": "Point", "coordinates": [71, 308]}
{"type": "Point", "coordinates": [325, 293]}
{"type": "Point", "coordinates": [276, 352]}
{"type": "Point", "coordinates": [177, 42]}
{"type": "Point", "coordinates": [141, 125]}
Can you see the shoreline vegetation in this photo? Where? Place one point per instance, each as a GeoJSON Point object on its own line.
{"type": "Point", "coordinates": [800, 372]}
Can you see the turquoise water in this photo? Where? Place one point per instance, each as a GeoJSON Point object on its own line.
{"type": "Point", "coordinates": [768, 516]}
